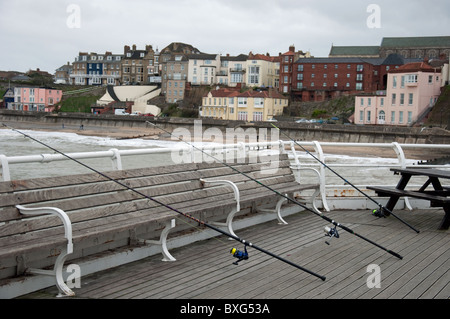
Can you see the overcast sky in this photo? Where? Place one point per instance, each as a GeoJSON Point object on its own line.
{"type": "Point", "coordinates": [46, 34]}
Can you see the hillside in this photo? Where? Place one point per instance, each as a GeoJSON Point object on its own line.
{"type": "Point", "coordinates": [440, 115]}
{"type": "Point", "coordinates": [342, 107]}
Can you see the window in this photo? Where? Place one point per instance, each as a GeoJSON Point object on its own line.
{"type": "Point", "coordinates": [394, 82]}
{"type": "Point", "coordinates": [259, 102]}
{"type": "Point", "coordinates": [359, 77]}
{"type": "Point", "coordinates": [400, 117]}
{"type": "Point", "coordinates": [369, 101]}
{"type": "Point", "coordinates": [411, 78]}
{"type": "Point", "coordinates": [430, 79]}
{"type": "Point", "coordinates": [361, 116]}
{"type": "Point", "coordinates": [359, 67]}
{"type": "Point", "coordinates": [242, 116]}
{"type": "Point", "coordinates": [300, 68]}
{"type": "Point", "coordinates": [368, 116]}
{"type": "Point", "coordinates": [409, 117]}
{"type": "Point", "coordinates": [394, 97]}
{"type": "Point", "coordinates": [402, 99]}
{"type": "Point", "coordinates": [411, 99]}
{"type": "Point", "coordinates": [382, 116]}
{"type": "Point", "coordinates": [359, 86]}
{"type": "Point", "coordinates": [402, 85]}
{"type": "Point", "coordinates": [242, 101]}
{"type": "Point", "coordinates": [393, 117]}
{"type": "Point", "coordinates": [382, 101]}
{"type": "Point", "coordinates": [257, 116]}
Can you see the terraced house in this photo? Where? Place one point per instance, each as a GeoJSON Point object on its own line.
{"type": "Point", "coordinates": [412, 91]}
{"type": "Point", "coordinates": [249, 106]}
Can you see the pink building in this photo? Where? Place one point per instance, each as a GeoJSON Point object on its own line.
{"type": "Point", "coordinates": [412, 90]}
{"type": "Point", "coordinates": [35, 99]}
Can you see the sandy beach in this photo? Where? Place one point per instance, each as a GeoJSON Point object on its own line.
{"type": "Point", "coordinates": [157, 134]}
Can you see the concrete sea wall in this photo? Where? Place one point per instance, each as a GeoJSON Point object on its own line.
{"type": "Point", "coordinates": [304, 132]}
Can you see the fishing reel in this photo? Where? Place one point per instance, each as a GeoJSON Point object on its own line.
{"type": "Point", "coordinates": [379, 213]}
{"type": "Point", "coordinates": [331, 232]}
{"type": "Point", "coordinates": [240, 255]}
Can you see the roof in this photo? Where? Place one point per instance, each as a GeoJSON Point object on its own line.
{"type": "Point", "coordinates": [264, 57]}
{"type": "Point", "coordinates": [414, 67]}
{"type": "Point", "coordinates": [416, 42]}
{"type": "Point", "coordinates": [240, 57]}
{"type": "Point", "coordinates": [341, 51]}
{"type": "Point", "coordinates": [230, 92]}
{"type": "Point", "coordinates": [202, 56]}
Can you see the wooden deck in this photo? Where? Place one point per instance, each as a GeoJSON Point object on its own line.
{"type": "Point", "coordinates": [204, 270]}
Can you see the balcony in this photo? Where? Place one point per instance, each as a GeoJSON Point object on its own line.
{"type": "Point", "coordinates": [237, 70]}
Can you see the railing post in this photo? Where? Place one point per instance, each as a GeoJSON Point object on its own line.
{"type": "Point", "coordinates": [402, 161]}
{"type": "Point", "coordinates": [5, 168]}
{"type": "Point", "coordinates": [116, 159]}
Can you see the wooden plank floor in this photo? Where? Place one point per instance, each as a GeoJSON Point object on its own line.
{"type": "Point", "coordinates": [204, 270]}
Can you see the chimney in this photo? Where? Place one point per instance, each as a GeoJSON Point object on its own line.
{"type": "Point", "coordinates": [126, 49]}
{"type": "Point", "coordinates": [292, 48]}
{"type": "Point", "coordinates": [134, 47]}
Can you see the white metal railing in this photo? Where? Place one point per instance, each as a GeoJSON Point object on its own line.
{"type": "Point", "coordinates": [302, 162]}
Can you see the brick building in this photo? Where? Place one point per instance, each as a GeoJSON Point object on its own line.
{"type": "Point", "coordinates": [318, 79]}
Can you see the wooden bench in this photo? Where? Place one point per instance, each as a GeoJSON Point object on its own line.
{"type": "Point", "coordinates": [45, 222]}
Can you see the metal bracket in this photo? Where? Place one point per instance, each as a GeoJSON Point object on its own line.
{"type": "Point", "coordinates": [163, 241]}
{"type": "Point", "coordinates": [234, 211]}
{"type": "Point", "coordinates": [59, 263]}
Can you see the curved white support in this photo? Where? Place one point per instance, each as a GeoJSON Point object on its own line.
{"type": "Point", "coordinates": [225, 182]}
{"type": "Point", "coordinates": [52, 211]}
{"type": "Point", "coordinates": [163, 241]}
{"type": "Point", "coordinates": [59, 263]}
{"type": "Point", "coordinates": [322, 176]}
{"type": "Point", "coordinates": [234, 211]}
{"type": "Point", "coordinates": [280, 202]}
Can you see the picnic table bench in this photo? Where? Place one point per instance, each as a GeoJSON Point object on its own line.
{"type": "Point", "coordinates": [438, 196]}
{"type": "Point", "coordinates": [45, 222]}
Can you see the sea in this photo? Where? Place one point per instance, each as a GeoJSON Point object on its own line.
{"type": "Point", "coordinates": [13, 144]}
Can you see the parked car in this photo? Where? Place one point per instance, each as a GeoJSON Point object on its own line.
{"type": "Point", "coordinates": [303, 121]}
{"type": "Point", "coordinates": [271, 120]}
{"type": "Point", "coordinates": [121, 112]}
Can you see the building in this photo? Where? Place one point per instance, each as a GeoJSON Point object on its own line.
{"type": "Point", "coordinates": [408, 47]}
{"type": "Point", "coordinates": [96, 69]}
{"type": "Point", "coordinates": [62, 74]}
{"type": "Point", "coordinates": [286, 68]}
{"type": "Point", "coordinates": [140, 66]}
{"type": "Point", "coordinates": [263, 71]}
{"type": "Point", "coordinates": [416, 47]}
{"type": "Point", "coordinates": [319, 79]}
{"type": "Point", "coordinates": [35, 99]}
{"type": "Point", "coordinates": [174, 70]}
{"type": "Point", "coordinates": [412, 91]}
{"type": "Point", "coordinates": [203, 69]}
{"type": "Point", "coordinates": [232, 70]}
{"type": "Point", "coordinates": [250, 106]}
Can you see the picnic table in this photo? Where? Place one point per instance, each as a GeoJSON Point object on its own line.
{"type": "Point", "coordinates": [438, 196]}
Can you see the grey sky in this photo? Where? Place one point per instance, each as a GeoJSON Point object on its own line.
{"type": "Point", "coordinates": [35, 33]}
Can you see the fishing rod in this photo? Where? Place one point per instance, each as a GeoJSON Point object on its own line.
{"type": "Point", "coordinates": [331, 233]}
{"type": "Point", "coordinates": [236, 253]}
{"type": "Point", "coordinates": [376, 212]}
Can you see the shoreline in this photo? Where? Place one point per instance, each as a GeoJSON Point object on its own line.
{"type": "Point", "coordinates": [152, 133]}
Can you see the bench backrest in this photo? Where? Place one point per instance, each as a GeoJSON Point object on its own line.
{"type": "Point", "coordinates": [94, 198]}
